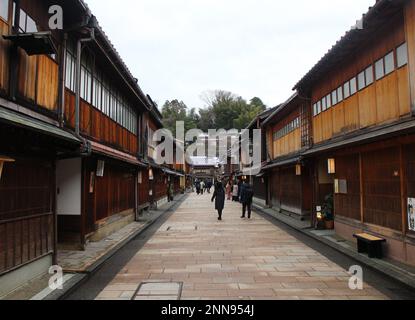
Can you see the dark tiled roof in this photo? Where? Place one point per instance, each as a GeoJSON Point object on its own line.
{"type": "Point", "coordinates": [369, 23]}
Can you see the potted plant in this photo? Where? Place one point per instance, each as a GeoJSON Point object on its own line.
{"type": "Point", "coordinates": [328, 211]}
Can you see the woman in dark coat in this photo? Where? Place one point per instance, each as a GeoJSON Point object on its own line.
{"type": "Point", "coordinates": [219, 198]}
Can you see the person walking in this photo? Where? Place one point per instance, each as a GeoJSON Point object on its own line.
{"type": "Point", "coordinates": [198, 187]}
{"type": "Point", "coordinates": [247, 195]}
{"type": "Point", "coordinates": [202, 187]}
{"type": "Point", "coordinates": [219, 198]}
{"type": "Point", "coordinates": [170, 193]}
{"type": "Point", "coordinates": [235, 193]}
{"type": "Point", "coordinates": [209, 186]}
{"type": "Point", "coordinates": [240, 185]}
{"type": "Point", "coordinates": [229, 190]}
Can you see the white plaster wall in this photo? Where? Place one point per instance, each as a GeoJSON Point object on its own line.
{"type": "Point", "coordinates": [69, 184]}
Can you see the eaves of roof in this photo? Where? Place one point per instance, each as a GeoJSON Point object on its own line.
{"type": "Point", "coordinates": [369, 23]}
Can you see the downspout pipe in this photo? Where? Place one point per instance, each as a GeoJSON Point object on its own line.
{"type": "Point", "coordinates": [79, 48]}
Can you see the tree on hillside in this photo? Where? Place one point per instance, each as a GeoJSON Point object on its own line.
{"type": "Point", "coordinates": [226, 110]}
{"type": "Point", "coordinates": [176, 110]}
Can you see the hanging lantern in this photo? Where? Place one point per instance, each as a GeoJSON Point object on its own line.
{"type": "Point", "coordinates": [331, 166]}
{"type": "Point", "coordinates": [150, 174]}
{"type": "Point", "coordinates": [298, 170]}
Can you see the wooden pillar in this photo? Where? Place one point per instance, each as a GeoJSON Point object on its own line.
{"type": "Point", "coordinates": [84, 191]}
{"type": "Point", "coordinates": [404, 195]}
{"type": "Point", "coordinates": [404, 191]}
{"type": "Point", "coordinates": [316, 191]}
{"type": "Point", "coordinates": [362, 197]}
{"type": "Point", "coordinates": [13, 81]}
{"type": "Point", "coordinates": [409, 13]}
{"type": "Point", "coordinates": [55, 217]}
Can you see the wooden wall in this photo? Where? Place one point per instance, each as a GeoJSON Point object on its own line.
{"type": "Point", "coordinates": [112, 194]}
{"type": "Point", "coordinates": [289, 191]}
{"type": "Point", "coordinates": [291, 142]}
{"type": "Point", "coordinates": [47, 83]}
{"type": "Point", "coordinates": [26, 212]}
{"type": "Point", "coordinates": [274, 184]}
{"type": "Point", "coordinates": [4, 58]}
{"type": "Point", "coordinates": [374, 185]}
{"type": "Point", "coordinates": [160, 185]}
{"type": "Point", "coordinates": [287, 144]}
{"type": "Point", "coordinates": [260, 188]}
{"type": "Point", "coordinates": [38, 80]}
{"type": "Point", "coordinates": [99, 127]}
{"type": "Point", "coordinates": [386, 100]}
{"type": "Point", "coordinates": [382, 188]}
{"type": "Point", "coordinates": [348, 205]}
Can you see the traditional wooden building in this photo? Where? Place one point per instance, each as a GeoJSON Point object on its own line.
{"type": "Point", "coordinates": [260, 180]}
{"type": "Point", "coordinates": [203, 168]}
{"type": "Point", "coordinates": [73, 122]}
{"type": "Point", "coordinates": [287, 137]}
{"type": "Point", "coordinates": [97, 191]}
{"type": "Point", "coordinates": [362, 95]}
{"type": "Point", "coordinates": [156, 178]}
{"type": "Point", "coordinates": [33, 136]}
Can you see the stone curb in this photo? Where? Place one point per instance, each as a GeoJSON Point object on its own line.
{"type": "Point", "coordinates": [80, 278]}
{"type": "Point", "coordinates": [397, 274]}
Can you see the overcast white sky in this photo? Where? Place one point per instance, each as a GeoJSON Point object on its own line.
{"type": "Point", "coordinates": [179, 49]}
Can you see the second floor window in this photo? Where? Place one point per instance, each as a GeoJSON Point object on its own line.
{"type": "Point", "coordinates": [98, 90]}
{"type": "Point", "coordinates": [4, 9]}
{"type": "Point", "coordinates": [402, 55]}
{"type": "Point", "coordinates": [287, 129]}
{"type": "Point", "coordinates": [26, 23]}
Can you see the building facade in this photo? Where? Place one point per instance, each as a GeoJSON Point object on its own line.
{"type": "Point", "coordinates": [348, 134]}
{"type": "Point", "coordinates": [288, 178]}
{"type": "Point", "coordinates": [76, 158]}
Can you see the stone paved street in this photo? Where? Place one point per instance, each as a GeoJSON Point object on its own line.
{"type": "Point", "coordinates": [203, 258]}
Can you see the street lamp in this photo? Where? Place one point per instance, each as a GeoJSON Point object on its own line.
{"type": "Point", "coordinates": [298, 170]}
{"type": "Point", "coordinates": [331, 166]}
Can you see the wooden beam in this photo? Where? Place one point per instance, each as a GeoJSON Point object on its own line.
{"type": "Point", "coordinates": [410, 36]}
{"type": "Point", "coordinates": [403, 187]}
{"type": "Point", "coordinates": [362, 197]}
{"type": "Point", "coordinates": [6, 159]}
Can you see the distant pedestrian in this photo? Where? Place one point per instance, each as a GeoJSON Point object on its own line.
{"type": "Point", "coordinates": [170, 193]}
{"type": "Point", "coordinates": [229, 190]}
{"type": "Point", "coordinates": [209, 186]}
{"type": "Point", "coordinates": [202, 187]}
{"type": "Point", "coordinates": [247, 195]}
{"type": "Point", "coordinates": [235, 193]}
{"type": "Point", "coordinates": [240, 185]}
{"type": "Point", "coordinates": [198, 187]}
{"type": "Point", "coordinates": [219, 198]}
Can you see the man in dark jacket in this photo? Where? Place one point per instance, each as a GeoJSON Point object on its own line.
{"type": "Point", "coordinates": [198, 187]}
{"type": "Point", "coordinates": [219, 198]}
{"type": "Point", "coordinates": [247, 195]}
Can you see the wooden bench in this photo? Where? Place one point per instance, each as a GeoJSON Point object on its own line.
{"type": "Point", "coordinates": [369, 244]}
